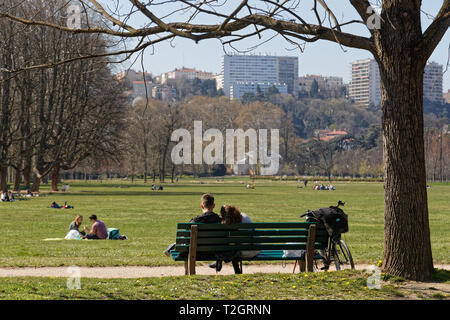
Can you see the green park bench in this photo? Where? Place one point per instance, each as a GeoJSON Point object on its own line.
{"type": "Point", "coordinates": [271, 239]}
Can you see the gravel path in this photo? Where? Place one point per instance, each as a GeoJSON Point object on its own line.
{"type": "Point", "coordinates": [143, 272]}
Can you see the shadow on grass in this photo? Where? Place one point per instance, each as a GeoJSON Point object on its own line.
{"type": "Point", "coordinates": [441, 275]}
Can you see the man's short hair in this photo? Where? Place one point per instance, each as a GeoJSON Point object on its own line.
{"type": "Point", "coordinates": [93, 217]}
{"type": "Point", "coordinates": [208, 201]}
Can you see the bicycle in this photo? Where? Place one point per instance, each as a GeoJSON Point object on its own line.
{"type": "Point", "coordinates": [337, 251]}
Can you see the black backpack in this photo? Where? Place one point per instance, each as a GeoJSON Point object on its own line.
{"type": "Point", "coordinates": [333, 218]}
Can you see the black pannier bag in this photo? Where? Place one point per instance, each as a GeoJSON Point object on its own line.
{"type": "Point", "coordinates": [333, 218]}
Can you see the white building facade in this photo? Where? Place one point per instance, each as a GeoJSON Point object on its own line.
{"type": "Point", "coordinates": [256, 69]}
{"type": "Point", "coordinates": [364, 87]}
{"type": "Point", "coordinates": [432, 83]}
{"type": "Point", "coordinates": [365, 84]}
{"type": "Point", "coordinates": [186, 73]}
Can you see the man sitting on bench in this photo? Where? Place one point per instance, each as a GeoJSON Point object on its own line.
{"type": "Point", "coordinates": [208, 216]}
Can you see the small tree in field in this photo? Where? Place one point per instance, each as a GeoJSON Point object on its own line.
{"type": "Point", "coordinates": [395, 39]}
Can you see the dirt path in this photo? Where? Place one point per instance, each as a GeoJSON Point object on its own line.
{"type": "Point", "coordinates": [143, 272]}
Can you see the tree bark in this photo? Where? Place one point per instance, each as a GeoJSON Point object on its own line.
{"type": "Point", "coordinates": [3, 178]}
{"type": "Point", "coordinates": [55, 177]}
{"type": "Point", "coordinates": [17, 179]}
{"type": "Point", "coordinates": [407, 245]}
{"type": "Point", "coordinates": [145, 161]}
{"type": "Point", "coordinates": [36, 183]}
{"type": "Point", "coordinates": [27, 177]}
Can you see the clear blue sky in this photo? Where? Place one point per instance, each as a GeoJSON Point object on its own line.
{"type": "Point", "coordinates": [322, 57]}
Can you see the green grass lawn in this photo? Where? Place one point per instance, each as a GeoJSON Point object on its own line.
{"type": "Point", "coordinates": [149, 219]}
{"type": "Point", "coordinates": [330, 285]}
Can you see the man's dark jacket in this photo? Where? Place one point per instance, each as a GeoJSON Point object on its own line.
{"type": "Point", "coordinates": [207, 217]}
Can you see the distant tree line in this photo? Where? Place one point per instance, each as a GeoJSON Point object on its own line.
{"type": "Point", "coordinates": [357, 154]}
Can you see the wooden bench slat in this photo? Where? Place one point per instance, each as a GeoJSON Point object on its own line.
{"type": "Point", "coordinates": [261, 240]}
{"type": "Point", "coordinates": [274, 232]}
{"type": "Point", "coordinates": [253, 247]}
{"type": "Point", "coordinates": [272, 225]}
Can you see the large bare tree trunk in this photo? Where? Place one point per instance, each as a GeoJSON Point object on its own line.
{"type": "Point", "coordinates": [407, 245]}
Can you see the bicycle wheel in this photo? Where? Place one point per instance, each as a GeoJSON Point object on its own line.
{"type": "Point", "coordinates": [342, 256]}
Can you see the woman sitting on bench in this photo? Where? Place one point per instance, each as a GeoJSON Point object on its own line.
{"type": "Point", "coordinates": [232, 215]}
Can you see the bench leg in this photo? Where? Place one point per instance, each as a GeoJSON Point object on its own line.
{"type": "Point", "coordinates": [186, 268]}
{"type": "Point", "coordinates": [193, 249]}
{"type": "Point", "coordinates": [309, 256]}
{"type": "Point", "coordinates": [302, 265]}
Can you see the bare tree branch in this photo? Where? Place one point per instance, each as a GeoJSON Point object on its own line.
{"type": "Point", "coordinates": [433, 35]}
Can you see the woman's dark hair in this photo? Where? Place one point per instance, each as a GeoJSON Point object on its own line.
{"type": "Point", "coordinates": [230, 214]}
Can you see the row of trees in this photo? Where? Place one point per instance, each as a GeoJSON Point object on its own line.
{"type": "Point", "coordinates": [150, 123]}
{"type": "Point", "coordinates": [53, 118]}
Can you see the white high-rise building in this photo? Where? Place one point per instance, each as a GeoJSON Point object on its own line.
{"type": "Point", "coordinates": [259, 69]}
{"type": "Point", "coordinates": [365, 84]}
{"type": "Point", "coordinates": [364, 87]}
{"type": "Point", "coordinates": [432, 82]}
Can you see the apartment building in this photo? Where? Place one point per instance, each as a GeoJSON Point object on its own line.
{"type": "Point", "coordinates": [364, 87]}
{"type": "Point", "coordinates": [432, 82]}
{"type": "Point", "coordinates": [186, 73]}
{"type": "Point", "coordinates": [365, 84]}
{"type": "Point", "coordinates": [273, 70]}
{"type": "Point", "coordinates": [328, 86]}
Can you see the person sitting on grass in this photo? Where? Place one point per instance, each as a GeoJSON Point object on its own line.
{"type": "Point", "coordinates": [75, 225]}
{"type": "Point", "coordinates": [98, 230]}
{"type": "Point", "coordinates": [208, 216]}
{"type": "Point", "coordinates": [5, 196]}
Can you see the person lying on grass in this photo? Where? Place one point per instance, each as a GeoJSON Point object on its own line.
{"type": "Point", "coordinates": [208, 216]}
{"type": "Point", "coordinates": [54, 205]}
{"type": "Point", "coordinates": [98, 230]}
